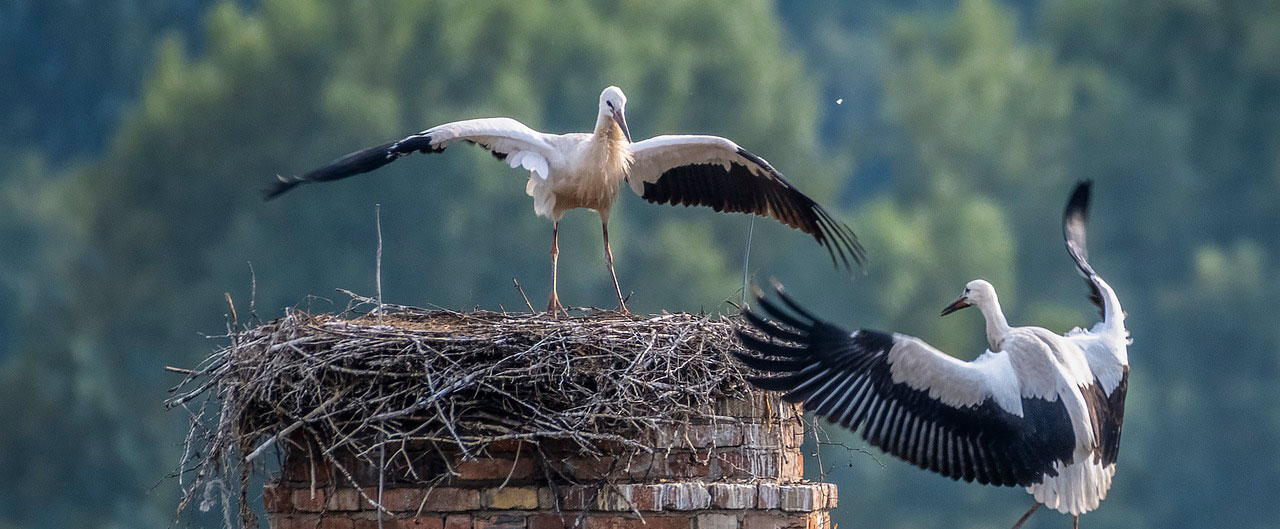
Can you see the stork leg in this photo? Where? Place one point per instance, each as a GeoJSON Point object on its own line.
{"type": "Point", "coordinates": [1075, 522]}
{"type": "Point", "coordinates": [1027, 515]}
{"type": "Point", "coordinates": [608, 258]}
{"type": "Point", "coordinates": [554, 307]}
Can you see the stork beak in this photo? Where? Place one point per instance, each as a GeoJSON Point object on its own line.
{"type": "Point", "coordinates": [958, 304]}
{"type": "Point", "coordinates": [622, 123]}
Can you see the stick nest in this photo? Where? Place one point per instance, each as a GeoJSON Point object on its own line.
{"type": "Point", "coordinates": [456, 381]}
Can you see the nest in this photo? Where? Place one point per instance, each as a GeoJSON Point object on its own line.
{"type": "Point", "coordinates": [450, 380]}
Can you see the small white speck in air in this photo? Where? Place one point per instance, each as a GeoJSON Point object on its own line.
{"type": "Point", "coordinates": [840, 101]}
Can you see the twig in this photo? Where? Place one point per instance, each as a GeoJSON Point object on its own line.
{"type": "Point", "coordinates": [377, 219]}
{"type": "Point", "coordinates": [526, 298]}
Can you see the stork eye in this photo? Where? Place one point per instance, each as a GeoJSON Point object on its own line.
{"type": "Point", "coordinates": [610, 103]}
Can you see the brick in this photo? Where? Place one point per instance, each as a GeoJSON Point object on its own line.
{"type": "Point", "coordinates": [734, 496]}
{"type": "Point", "coordinates": [334, 522]}
{"type": "Point", "coordinates": [343, 500]}
{"type": "Point", "coordinates": [439, 499]}
{"type": "Point", "coordinates": [498, 521]}
{"type": "Point", "coordinates": [277, 499]}
{"type": "Point", "coordinates": [567, 497]}
{"type": "Point", "coordinates": [784, 434]}
{"type": "Point", "coordinates": [818, 520]}
{"type": "Point", "coordinates": [719, 434]}
{"type": "Point", "coordinates": [305, 501]}
{"type": "Point", "coordinates": [716, 521]}
{"type": "Point", "coordinates": [774, 521]}
{"type": "Point", "coordinates": [681, 465]}
{"type": "Point", "coordinates": [457, 521]}
{"type": "Point", "coordinates": [832, 494]}
{"type": "Point", "coordinates": [552, 521]}
{"type": "Point", "coordinates": [422, 522]}
{"type": "Point", "coordinates": [631, 496]}
{"type": "Point", "coordinates": [767, 495]}
{"type": "Point", "coordinates": [802, 498]}
{"type": "Point", "coordinates": [631, 522]}
{"type": "Point", "coordinates": [494, 469]}
{"type": "Point", "coordinates": [511, 498]}
{"type": "Point", "coordinates": [290, 522]}
{"type": "Point", "coordinates": [685, 496]}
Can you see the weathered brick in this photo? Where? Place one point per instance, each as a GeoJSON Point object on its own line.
{"type": "Point", "coordinates": [494, 469]}
{"type": "Point", "coordinates": [305, 501]}
{"type": "Point", "coordinates": [767, 495]}
{"type": "Point", "coordinates": [422, 522]}
{"type": "Point", "coordinates": [567, 497]}
{"type": "Point", "coordinates": [498, 521]}
{"type": "Point", "coordinates": [681, 465]}
{"type": "Point", "coordinates": [630, 522]}
{"type": "Point", "coordinates": [718, 434]}
{"type": "Point", "coordinates": [802, 498]}
{"type": "Point", "coordinates": [439, 499]}
{"type": "Point", "coordinates": [552, 521]}
{"type": "Point", "coordinates": [631, 496]}
{"type": "Point", "coordinates": [716, 521]}
{"type": "Point", "coordinates": [754, 520]}
{"type": "Point", "coordinates": [818, 520]}
{"type": "Point", "coordinates": [334, 522]}
{"type": "Point", "coordinates": [511, 498]}
{"type": "Point", "coordinates": [277, 499]}
{"type": "Point", "coordinates": [345, 499]}
{"type": "Point", "coordinates": [832, 494]}
{"type": "Point", "coordinates": [457, 521]}
{"type": "Point", "coordinates": [689, 496]}
{"type": "Point", "coordinates": [733, 496]}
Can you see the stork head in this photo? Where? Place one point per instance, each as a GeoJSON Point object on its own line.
{"type": "Point", "coordinates": [976, 292]}
{"type": "Point", "coordinates": [613, 104]}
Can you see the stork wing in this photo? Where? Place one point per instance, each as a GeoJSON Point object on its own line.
{"type": "Point", "coordinates": [1105, 346]}
{"type": "Point", "coordinates": [713, 171]}
{"type": "Point", "coordinates": [1073, 223]}
{"type": "Point", "coordinates": [964, 420]}
{"type": "Point", "coordinates": [506, 138]}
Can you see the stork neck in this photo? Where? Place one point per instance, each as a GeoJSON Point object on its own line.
{"type": "Point", "coordinates": [607, 130]}
{"type": "Point", "coordinates": [997, 325]}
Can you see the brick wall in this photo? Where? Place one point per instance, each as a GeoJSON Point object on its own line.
{"type": "Point", "coordinates": [740, 468]}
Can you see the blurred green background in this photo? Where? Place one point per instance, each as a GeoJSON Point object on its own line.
{"type": "Point", "coordinates": [135, 136]}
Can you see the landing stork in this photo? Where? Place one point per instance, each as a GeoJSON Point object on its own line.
{"type": "Point", "coordinates": [1036, 410]}
{"type": "Point", "coordinates": [586, 170]}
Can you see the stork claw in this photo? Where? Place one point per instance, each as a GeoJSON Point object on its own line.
{"type": "Point", "coordinates": [554, 308]}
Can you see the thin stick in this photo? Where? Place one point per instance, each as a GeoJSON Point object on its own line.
{"type": "Point", "coordinates": [526, 298]}
{"type": "Point", "coordinates": [377, 274]}
{"type": "Point", "coordinates": [382, 474]}
{"type": "Point", "coordinates": [746, 259]}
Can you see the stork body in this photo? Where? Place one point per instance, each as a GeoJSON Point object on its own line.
{"type": "Point", "coordinates": [1037, 409]}
{"type": "Point", "coordinates": [586, 170]}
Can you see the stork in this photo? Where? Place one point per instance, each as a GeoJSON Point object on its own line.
{"type": "Point", "coordinates": [586, 170]}
{"type": "Point", "coordinates": [1036, 410]}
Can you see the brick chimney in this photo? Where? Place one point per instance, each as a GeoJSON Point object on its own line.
{"type": "Point", "coordinates": [740, 468]}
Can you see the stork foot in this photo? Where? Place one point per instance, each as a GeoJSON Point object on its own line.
{"type": "Point", "coordinates": [554, 308]}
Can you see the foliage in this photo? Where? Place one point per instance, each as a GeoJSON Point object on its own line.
{"type": "Point", "coordinates": [959, 128]}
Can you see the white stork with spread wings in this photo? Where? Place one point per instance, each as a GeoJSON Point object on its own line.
{"type": "Point", "coordinates": [1037, 410]}
{"type": "Point", "coordinates": [586, 170]}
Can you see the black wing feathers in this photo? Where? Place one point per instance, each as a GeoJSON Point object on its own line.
{"type": "Point", "coordinates": [846, 379]}
{"type": "Point", "coordinates": [358, 162]}
{"type": "Point", "coordinates": [1073, 231]}
{"type": "Point", "coordinates": [738, 190]}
